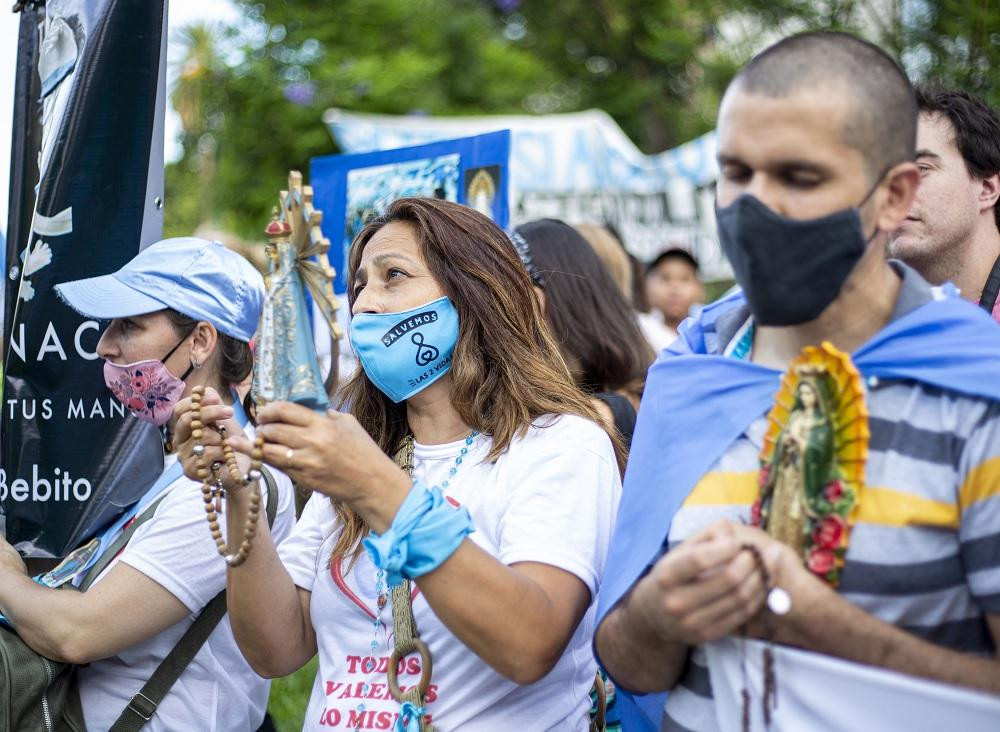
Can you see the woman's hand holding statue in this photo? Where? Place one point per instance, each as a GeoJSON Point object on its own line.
{"type": "Point", "coordinates": [332, 454]}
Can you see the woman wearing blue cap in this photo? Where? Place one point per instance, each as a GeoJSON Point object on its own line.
{"type": "Point", "coordinates": [182, 314]}
{"type": "Point", "coordinates": [498, 506]}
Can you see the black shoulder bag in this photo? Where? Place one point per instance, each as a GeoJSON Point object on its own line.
{"type": "Point", "coordinates": [38, 694]}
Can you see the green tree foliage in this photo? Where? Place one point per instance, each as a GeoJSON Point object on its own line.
{"type": "Point", "coordinates": [252, 97]}
{"type": "Point", "coordinates": [955, 42]}
{"type": "Point", "coordinates": [199, 103]}
{"type": "Point", "coordinates": [657, 67]}
{"type": "Point", "coordinates": [295, 60]}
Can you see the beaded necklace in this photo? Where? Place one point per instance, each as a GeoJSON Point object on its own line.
{"type": "Point", "coordinates": [369, 665]}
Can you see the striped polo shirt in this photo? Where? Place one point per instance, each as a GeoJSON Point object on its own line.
{"type": "Point", "coordinates": [924, 552]}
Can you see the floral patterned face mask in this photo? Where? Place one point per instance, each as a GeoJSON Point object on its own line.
{"type": "Point", "coordinates": [147, 387]}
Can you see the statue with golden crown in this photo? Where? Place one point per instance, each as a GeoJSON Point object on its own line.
{"type": "Point", "coordinates": [286, 365]}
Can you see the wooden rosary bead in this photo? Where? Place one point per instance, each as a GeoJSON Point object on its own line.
{"type": "Point", "coordinates": [769, 699]}
{"type": "Point", "coordinates": [212, 483]}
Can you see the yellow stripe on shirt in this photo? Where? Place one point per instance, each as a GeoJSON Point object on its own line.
{"type": "Point", "coordinates": [878, 505]}
{"type": "Point", "coordinates": [982, 482]}
{"type": "Point", "coordinates": [720, 488]}
{"type": "Point", "coordinates": [890, 507]}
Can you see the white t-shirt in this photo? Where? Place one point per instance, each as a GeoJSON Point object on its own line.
{"type": "Point", "coordinates": [657, 332]}
{"type": "Point", "coordinates": [551, 498]}
{"type": "Point", "coordinates": [218, 691]}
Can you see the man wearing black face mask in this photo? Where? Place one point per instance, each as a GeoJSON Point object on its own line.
{"type": "Point", "coordinates": [816, 140]}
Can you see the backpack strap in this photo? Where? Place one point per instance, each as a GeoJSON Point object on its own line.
{"type": "Point", "coordinates": [143, 705]}
{"type": "Point", "coordinates": [992, 289]}
{"type": "Point", "coordinates": [118, 544]}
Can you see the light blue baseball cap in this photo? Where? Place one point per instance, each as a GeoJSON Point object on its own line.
{"type": "Point", "coordinates": [196, 277]}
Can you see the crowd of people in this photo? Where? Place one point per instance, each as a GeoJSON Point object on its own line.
{"type": "Point", "coordinates": [538, 503]}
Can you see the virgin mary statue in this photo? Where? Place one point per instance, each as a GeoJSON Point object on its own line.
{"type": "Point", "coordinates": [799, 469]}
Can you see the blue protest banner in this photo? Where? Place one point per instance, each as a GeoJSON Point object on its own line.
{"type": "Point", "coordinates": [349, 189]}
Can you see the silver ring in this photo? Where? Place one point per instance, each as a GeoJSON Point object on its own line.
{"type": "Point", "coordinates": [288, 456]}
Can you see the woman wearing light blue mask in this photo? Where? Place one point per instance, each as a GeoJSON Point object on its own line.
{"type": "Point", "coordinates": [503, 527]}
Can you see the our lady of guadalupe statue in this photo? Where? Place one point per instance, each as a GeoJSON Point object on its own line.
{"type": "Point", "coordinates": [813, 459]}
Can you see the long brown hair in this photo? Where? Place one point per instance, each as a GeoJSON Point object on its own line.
{"type": "Point", "coordinates": [587, 313]}
{"type": "Point", "coordinates": [506, 370]}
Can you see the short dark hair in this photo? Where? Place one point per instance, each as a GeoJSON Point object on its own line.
{"type": "Point", "coordinates": [674, 253]}
{"type": "Point", "coordinates": [882, 124]}
{"type": "Point", "coordinates": [594, 326]}
{"type": "Point", "coordinates": [976, 126]}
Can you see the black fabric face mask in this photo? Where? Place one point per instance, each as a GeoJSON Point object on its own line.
{"type": "Point", "coordinates": [790, 270]}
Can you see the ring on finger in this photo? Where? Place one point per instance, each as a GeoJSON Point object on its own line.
{"type": "Point", "coordinates": [289, 455]}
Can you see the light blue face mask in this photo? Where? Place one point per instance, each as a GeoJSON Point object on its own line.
{"type": "Point", "coordinates": [403, 353]}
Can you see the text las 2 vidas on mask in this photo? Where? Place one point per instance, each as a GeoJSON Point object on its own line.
{"type": "Point", "coordinates": [405, 352]}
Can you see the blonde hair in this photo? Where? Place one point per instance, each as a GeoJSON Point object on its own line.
{"type": "Point", "coordinates": [612, 253]}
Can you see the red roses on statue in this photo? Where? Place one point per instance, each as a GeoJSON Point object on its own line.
{"type": "Point", "coordinates": [833, 491]}
{"type": "Point", "coordinates": [825, 541]}
{"type": "Point", "coordinates": [828, 536]}
{"type": "Point", "coordinates": [829, 532]}
{"type": "Point", "coordinates": [821, 561]}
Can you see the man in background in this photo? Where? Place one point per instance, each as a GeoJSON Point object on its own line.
{"type": "Point", "coordinates": [952, 233]}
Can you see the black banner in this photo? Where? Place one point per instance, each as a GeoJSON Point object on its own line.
{"type": "Point", "coordinates": [88, 127]}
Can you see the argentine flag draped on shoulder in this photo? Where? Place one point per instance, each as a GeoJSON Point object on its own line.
{"type": "Point", "coordinates": [697, 403]}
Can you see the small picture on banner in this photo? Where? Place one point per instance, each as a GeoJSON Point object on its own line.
{"type": "Point", "coordinates": [350, 189]}
{"type": "Point", "coordinates": [481, 187]}
{"type": "Point", "coordinates": [370, 190]}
